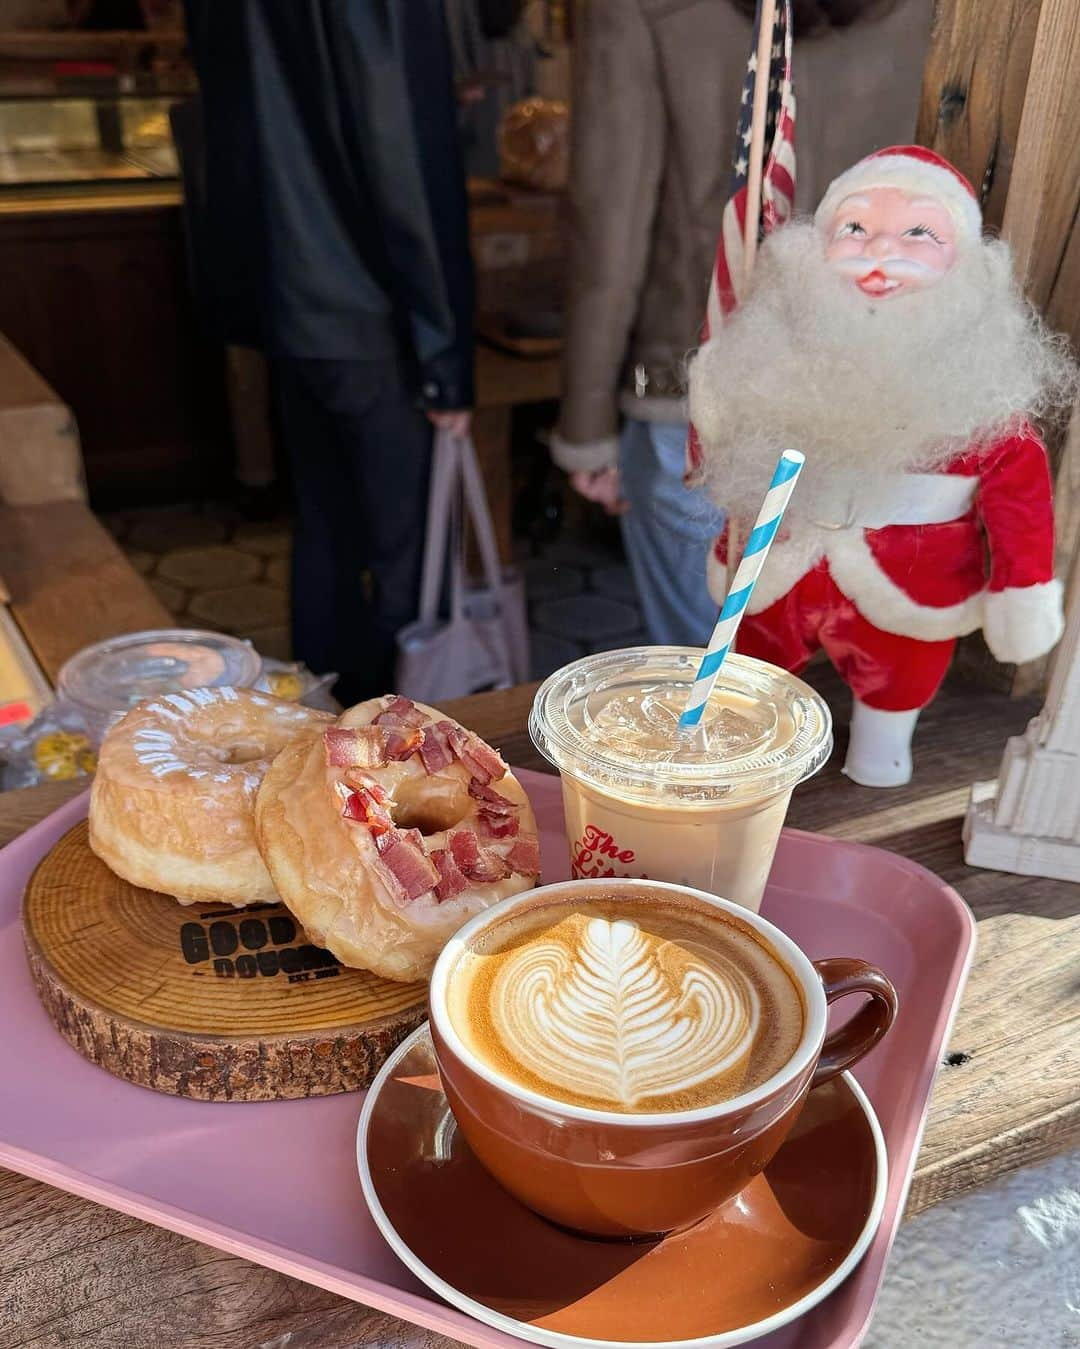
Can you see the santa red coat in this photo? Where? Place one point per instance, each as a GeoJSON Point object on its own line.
{"type": "Point", "coordinates": [969, 546]}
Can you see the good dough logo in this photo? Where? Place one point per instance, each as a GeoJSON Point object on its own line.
{"type": "Point", "coordinates": [266, 943]}
{"type": "Point", "coordinates": [591, 852]}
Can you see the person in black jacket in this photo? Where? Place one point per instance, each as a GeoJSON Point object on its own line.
{"type": "Point", "coordinates": [338, 241]}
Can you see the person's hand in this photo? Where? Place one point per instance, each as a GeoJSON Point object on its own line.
{"type": "Point", "coordinates": [601, 485]}
{"type": "Point", "coordinates": [457, 423]}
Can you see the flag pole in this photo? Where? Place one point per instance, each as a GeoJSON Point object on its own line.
{"type": "Point", "coordinates": [766, 24]}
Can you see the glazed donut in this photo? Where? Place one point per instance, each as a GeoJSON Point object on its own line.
{"type": "Point", "coordinates": [171, 807]}
{"type": "Point", "coordinates": [390, 830]}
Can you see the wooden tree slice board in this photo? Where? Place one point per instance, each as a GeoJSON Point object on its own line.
{"type": "Point", "coordinates": [206, 1001]}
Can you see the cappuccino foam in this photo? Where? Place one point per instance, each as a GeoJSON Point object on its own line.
{"type": "Point", "coordinates": [635, 1006]}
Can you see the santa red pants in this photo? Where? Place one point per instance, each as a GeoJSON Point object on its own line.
{"type": "Point", "coordinates": [895, 674]}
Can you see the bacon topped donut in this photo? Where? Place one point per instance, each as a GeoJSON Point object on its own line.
{"type": "Point", "coordinates": [392, 828]}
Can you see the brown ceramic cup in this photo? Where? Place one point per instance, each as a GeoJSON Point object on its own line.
{"type": "Point", "coordinates": [617, 1175]}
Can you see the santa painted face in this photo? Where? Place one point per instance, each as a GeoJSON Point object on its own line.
{"type": "Point", "coordinates": [889, 242]}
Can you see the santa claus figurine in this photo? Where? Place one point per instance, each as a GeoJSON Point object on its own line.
{"type": "Point", "coordinates": [887, 340]}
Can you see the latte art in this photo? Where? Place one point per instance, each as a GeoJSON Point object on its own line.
{"type": "Point", "coordinates": [634, 1007]}
{"type": "Point", "coordinates": [620, 1016]}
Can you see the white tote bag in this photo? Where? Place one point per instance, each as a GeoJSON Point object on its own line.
{"type": "Point", "coordinates": [484, 641]}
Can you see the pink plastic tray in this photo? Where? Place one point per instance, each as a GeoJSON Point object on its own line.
{"type": "Point", "coordinates": [277, 1184]}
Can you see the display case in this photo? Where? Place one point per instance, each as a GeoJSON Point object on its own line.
{"type": "Point", "coordinates": [60, 141]}
{"type": "Point", "coordinates": [88, 112]}
{"type": "Point", "coordinates": [94, 255]}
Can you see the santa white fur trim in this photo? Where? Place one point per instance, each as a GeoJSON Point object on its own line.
{"type": "Point", "coordinates": [787, 563]}
{"type": "Point", "coordinates": [716, 576]}
{"type": "Point", "coordinates": [881, 601]}
{"type": "Point", "coordinates": [910, 175]}
{"type": "Point", "coordinates": [1024, 622]}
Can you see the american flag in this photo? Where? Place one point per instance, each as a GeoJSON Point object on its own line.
{"type": "Point", "coordinates": [778, 171]}
{"type": "Point", "coordinates": [728, 280]}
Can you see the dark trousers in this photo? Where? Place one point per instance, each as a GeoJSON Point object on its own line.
{"type": "Point", "coordinates": [360, 451]}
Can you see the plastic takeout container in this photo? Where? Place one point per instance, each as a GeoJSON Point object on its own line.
{"type": "Point", "coordinates": [104, 680]}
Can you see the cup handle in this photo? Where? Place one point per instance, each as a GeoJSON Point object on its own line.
{"type": "Point", "coordinates": [840, 976]}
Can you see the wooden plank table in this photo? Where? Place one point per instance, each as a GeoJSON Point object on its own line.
{"type": "Point", "coordinates": [1011, 1095]}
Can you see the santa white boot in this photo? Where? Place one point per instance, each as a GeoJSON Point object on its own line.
{"type": "Point", "coordinates": [879, 752]}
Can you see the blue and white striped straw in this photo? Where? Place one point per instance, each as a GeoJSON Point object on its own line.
{"type": "Point", "coordinates": [772, 510]}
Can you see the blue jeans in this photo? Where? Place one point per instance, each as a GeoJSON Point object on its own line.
{"type": "Point", "coordinates": [667, 533]}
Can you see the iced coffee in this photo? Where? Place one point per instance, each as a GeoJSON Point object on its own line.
{"type": "Point", "coordinates": [702, 806]}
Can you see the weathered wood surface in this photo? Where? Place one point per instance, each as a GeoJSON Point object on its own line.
{"type": "Point", "coordinates": [1044, 190]}
{"type": "Point", "coordinates": [70, 584]}
{"type": "Point", "coordinates": [1013, 1096]}
{"type": "Point", "coordinates": [202, 1000]}
{"type": "Point", "coordinates": [973, 91]}
{"type": "Point", "coordinates": [1040, 224]}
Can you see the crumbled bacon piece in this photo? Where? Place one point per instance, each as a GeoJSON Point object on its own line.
{"type": "Point", "coordinates": [464, 848]}
{"type": "Point", "coordinates": [481, 760]}
{"type": "Point", "coordinates": [363, 806]}
{"type": "Point", "coordinates": [524, 857]}
{"type": "Point", "coordinates": [478, 864]}
{"type": "Point", "coordinates": [410, 865]}
{"type": "Point", "coordinates": [356, 746]}
{"type": "Point", "coordinates": [452, 880]}
{"type": "Point", "coordinates": [400, 712]}
{"type": "Point", "coordinates": [402, 741]}
{"type": "Point", "coordinates": [363, 782]}
{"type": "Point", "coordinates": [435, 750]}
{"type": "Point", "coordinates": [493, 802]}
{"type": "Point", "coordinates": [492, 825]}
{"type": "Point", "coordinates": [490, 867]}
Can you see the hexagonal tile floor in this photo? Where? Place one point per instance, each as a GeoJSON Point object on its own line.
{"type": "Point", "coordinates": [212, 569]}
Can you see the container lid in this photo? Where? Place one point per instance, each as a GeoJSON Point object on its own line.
{"type": "Point", "coordinates": [612, 720]}
{"type": "Point", "coordinates": [113, 675]}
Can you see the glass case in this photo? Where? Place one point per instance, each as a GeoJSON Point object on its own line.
{"type": "Point", "coordinates": [88, 108]}
{"type": "Point", "coordinates": [70, 140]}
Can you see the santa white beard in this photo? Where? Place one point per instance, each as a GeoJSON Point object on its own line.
{"type": "Point", "coordinates": [865, 388]}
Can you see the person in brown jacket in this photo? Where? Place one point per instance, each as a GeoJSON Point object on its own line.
{"type": "Point", "coordinates": [657, 86]}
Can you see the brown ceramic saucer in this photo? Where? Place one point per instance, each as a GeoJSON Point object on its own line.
{"type": "Point", "coordinates": [765, 1258]}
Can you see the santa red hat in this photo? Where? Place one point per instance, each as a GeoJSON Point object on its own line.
{"type": "Point", "coordinates": [914, 169]}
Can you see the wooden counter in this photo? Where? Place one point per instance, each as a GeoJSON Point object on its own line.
{"type": "Point", "coordinates": [1010, 1094]}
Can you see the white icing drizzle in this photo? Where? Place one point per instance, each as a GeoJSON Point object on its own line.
{"type": "Point", "coordinates": [612, 1018]}
{"type": "Point", "coordinates": [160, 711]}
{"type": "Point", "coordinates": [156, 747]}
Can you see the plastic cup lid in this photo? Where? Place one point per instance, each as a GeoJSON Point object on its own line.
{"type": "Point", "coordinates": [113, 675]}
{"type": "Point", "coordinates": [611, 720]}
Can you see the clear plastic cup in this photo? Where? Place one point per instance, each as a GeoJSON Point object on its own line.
{"type": "Point", "coordinates": [702, 807]}
{"type": "Point", "coordinates": [104, 680]}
